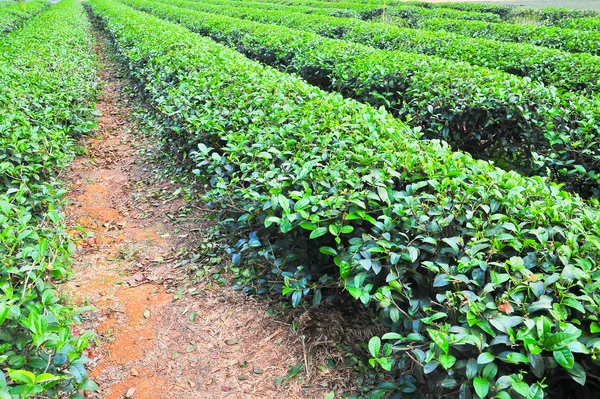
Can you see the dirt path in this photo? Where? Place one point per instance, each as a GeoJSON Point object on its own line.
{"type": "Point", "coordinates": [205, 342]}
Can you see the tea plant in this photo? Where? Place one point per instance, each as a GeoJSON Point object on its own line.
{"type": "Point", "coordinates": [494, 115]}
{"type": "Point", "coordinates": [47, 76]}
{"type": "Point", "coordinates": [13, 15]}
{"type": "Point", "coordinates": [486, 279]}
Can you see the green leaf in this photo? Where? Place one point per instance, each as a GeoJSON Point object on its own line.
{"type": "Point", "coordinates": [374, 346]}
{"type": "Point", "coordinates": [88, 385]}
{"type": "Point", "coordinates": [330, 395]}
{"type": "Point", "coordinates": [318, 232]}
{"type": "Point", "coordinates": [413, 253]}
{"type": "Point", "coordinates": [472, 369]}
{"type": "Point", "coordinates": [578, 373]}
{"type": "Point", "coordinates": [560, 340]}
{"type": "Point", "coordinates": [328, 251]}
{"type": "Point", "coordinates": [347, 229]}
{"type": "Point", "coordinates": [24, 376]}
{"type": "Point", "coordinates": [513, 357]}
{"type": "Point", "coordinates": [439, 339]}
{"type": "Point", "coordinates": [5, 395]}
{"type": "Point", "coordinates": [46, 377]}
{"type": "Point", "coordinates": [4, 310]}
{"type": "Point", "coordinates": [535, 392]}
{"type": "Point", "coordinates": [482, 386]}
{"type": "Point", "coordinates": [521, 387]}
{"type": "Point", "coordinates": [382, 192]}
{"type": "Point", "coordinates": [301, 204]}
{"type": "Point", "coordinates": [447, 361]}
{"type": "Point", "coordinates": [392, 335]}
{"type": "Point", "coordinates": [345, 269]}
{"type": "Point", "coordinates": [489, 371]}
{"type": "Point", "coordinates": [453, 243]}
{"type": "Point", "coordinates": [565, 358]}
{"type": "Point", "coordinates": [485, 358]}
{"type": "Point", "coordinates": [385, 363]}
{"type": "Point", "coordinates": [333, 230]}
{"type": "Point", "coordinates": [284, 203]}
{"type": "Point", "coordinates": [270, 220]}
{"type": "Point", "coordinates": [575, 304]}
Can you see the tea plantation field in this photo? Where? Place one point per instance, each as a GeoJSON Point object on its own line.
{"type": "Point", "coordinates": [432, 166]}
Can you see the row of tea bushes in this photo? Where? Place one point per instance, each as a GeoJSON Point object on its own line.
{"type": "Point", "coordinates": [520, 124]}
{"type": "Point", "coordinates": [47, 75]}
{"type": "Point", "coordinates": [13, 15]}
{"type": "Point", "coordinates": [485, 278]}
{"type": "Point", "coordinates": [550, 66]}
{"type": "Point", "coordinates": [373, 10]}
{"type": "Point", "coordinates": [572, 40]}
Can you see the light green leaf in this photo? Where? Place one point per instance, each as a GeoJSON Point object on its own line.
{"type": "Point", "coordinates": [485, 358]}
{"type": "Point", "coordinates": [24, 376]}
{"type": "Point", "coordinates": [374, 346]}
{"type": "Point", "coordinates": [439, 339]}
{"type": "Point", "coordinates": [482, 386]}
{"type": "Point", "coordinates": [318, 232]}
{"type": "Point", "coordinates": [447, 361]}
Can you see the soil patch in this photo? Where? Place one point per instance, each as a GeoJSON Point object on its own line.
{"type": "Point", "coordinates": [153, 341]}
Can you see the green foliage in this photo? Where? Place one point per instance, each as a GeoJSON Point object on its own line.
{"type": "Point", "coordinates": [491, 114]}
{"type": "Point", "coordinates": [589, 23]}
{"type": "Point", "coordinates": [573, 40]}
{"type": "Point", "coordinates": [487, 280]}
{"type": "Point", "coordinates": [13, 15]}
{"type": "Point", "coordinates": [550, 66]}
{"type": "Point", "coordinates": [362, 10]}
{"type": "Point", "coordinates": [550, 15]}
{"type": "Point", "coordinates": [48, 83]}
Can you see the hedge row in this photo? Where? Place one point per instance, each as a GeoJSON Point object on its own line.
{"type": "Point", "coordinates": [412, 14]}
{"type": "Point", "coordinates": [367, 11]}
{"type": "Point", "coordinates": [520, 124]}
{"type": "Point", "coordinates": [582, 23]}
{"type": "Point", "coordinates": [485, 278]}
{"type": "Point", "coordinates": [550, 15]}
{"type": "Point", "coordinates": [47, 70]}
{"type": "Point", "coordinates": [576, 41]}
{"type": "Point", "coordinates": [13, 15]}
{"type": "Point", "coordinates": [550, 66]}
{"type": "Point", "coordinates": [559, 17]}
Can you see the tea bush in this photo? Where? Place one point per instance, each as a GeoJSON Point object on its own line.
{"type": "Point", "coordinates": [573, 40]}
{"type": "Point", "coordinates": [366, 11]}
{"type": "Point", "coordinates": [492, 114]}
{"type": "Point", "coordinates": [13, 15]}
{"type": "Point", "coordinates": [550, 66]}
{"type": "Point", "coordinates": [487, 280]}
{"type": "Point", "coordinates": [47, 75]}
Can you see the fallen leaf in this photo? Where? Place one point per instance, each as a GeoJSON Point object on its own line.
{"type": "Point", "coordinates": [505, 307]}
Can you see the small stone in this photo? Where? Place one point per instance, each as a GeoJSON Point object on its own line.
{"type": "Point", "coordinates": [130, 392]}
{"type": "Point", "coordinates": [134, 372]}
{"type": "Point", "coordinates": [146, 314]}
